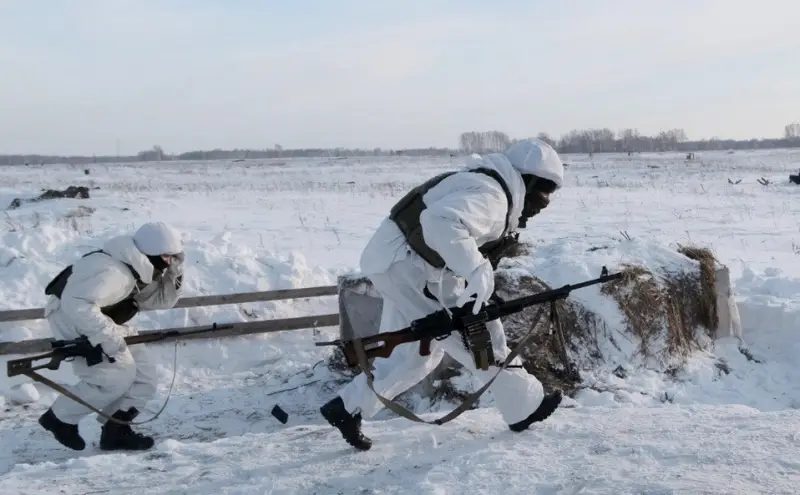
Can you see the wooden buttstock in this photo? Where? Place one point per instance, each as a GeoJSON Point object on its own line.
{"type": "Point", "coordinates": [388, 341]}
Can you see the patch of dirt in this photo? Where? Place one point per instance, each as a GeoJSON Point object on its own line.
{"type": "Point", "coordinates": [72, 192]}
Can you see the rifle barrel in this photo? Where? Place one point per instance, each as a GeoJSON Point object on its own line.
{"type": "Point", "coordinates": [520, 303]}
{"type": "Point", "coordinates": [493, 311]}
{"type": "Point", "coordinates": [154, 337]}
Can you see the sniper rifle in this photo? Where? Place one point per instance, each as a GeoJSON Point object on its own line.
{"type": "Point", "coordinates": [81, 347]}
{"type": "Point", "coordinates": [440, 324]}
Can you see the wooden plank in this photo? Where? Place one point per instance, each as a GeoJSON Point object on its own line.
{"type": "Point", "coordinates": [239, 328]}
{"type": "Point", "coordinates": [197, 301]}
{"type": "Point", "coordinates": [248, 297]}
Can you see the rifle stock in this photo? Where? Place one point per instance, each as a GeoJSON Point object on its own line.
{"type": "Point", "coordinates": [383, 344]}
{"type": "Point", "coordinates": [439, 325]}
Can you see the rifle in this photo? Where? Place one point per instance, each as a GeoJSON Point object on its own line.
{"type": "Point", "coordinates": [81, 347]}
{"type": "Point", "coordinates": [440, 324]}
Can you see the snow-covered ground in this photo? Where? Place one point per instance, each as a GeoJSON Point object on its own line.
{"type": "Point", "coordinates": [260, 225]}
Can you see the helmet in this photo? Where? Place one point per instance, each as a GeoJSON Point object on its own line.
{"type": "Point", "coordinates": [537, 158]}
{"type": "Point", "coordinates": [542, 172]}
{"type": "Point", "coordinates": [157, 239]}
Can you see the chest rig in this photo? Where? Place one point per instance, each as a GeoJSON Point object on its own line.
{"type": "Point", "coordinates": [406, 214]}
{"type": "Point", "coordinates": [407, 211]}
{"type": "Point", "coordinates": [120, 312]}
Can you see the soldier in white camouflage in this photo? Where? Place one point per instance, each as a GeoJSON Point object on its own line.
{"type": "Point", "coordinates": [434, 250]}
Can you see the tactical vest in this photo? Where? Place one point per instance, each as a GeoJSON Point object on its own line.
{"type": "Point", "coordinates": [406, 214]}
{"type": "Point", "coordinates": [120, 312]}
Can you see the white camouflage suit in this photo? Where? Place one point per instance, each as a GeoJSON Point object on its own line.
{"type": "Point", "coordinates": [462, 212]}
{"type": "Point", "coordinates": [103, 279]}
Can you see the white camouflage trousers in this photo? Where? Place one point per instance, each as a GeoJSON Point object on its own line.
{"type": "Point", "coordinates": [131, 381]}
{"type": "Point", "coordinates": [517, 393]}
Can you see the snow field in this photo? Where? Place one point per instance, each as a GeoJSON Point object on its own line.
{"type": "Point", "coordinates": [260, 226]}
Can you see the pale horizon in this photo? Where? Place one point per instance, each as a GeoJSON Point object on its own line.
{"type": "Point", "coordinates": [108, 77]}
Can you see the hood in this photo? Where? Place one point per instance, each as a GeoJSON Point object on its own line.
{"type": "Point", "coordinates": [500, 164]}
{"type": "Point", "coordinates": [157, 238]}
{"type": "Point", "coordinates": [532, 156]}
{"type": "Point", "coordinates": [123, 248]}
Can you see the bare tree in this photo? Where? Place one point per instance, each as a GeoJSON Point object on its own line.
{"type": "Point", "coordinates": [152, 155]}
{"type": "Point", "coordinates": [630, 139]}
{"type": "Point", "coordinates": [545, 137]}
{"type": "Point", "coordinates": [792, 131]}
{"type": "Point", "coordinates": [483, 142]}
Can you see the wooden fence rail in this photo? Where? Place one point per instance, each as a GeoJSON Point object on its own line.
{"type": "Point", "coordinates": [238, 328]}
{"type": "Point", "coordinates": [241, 328]}
{"type": "Point", "coordinates": [197, 301]}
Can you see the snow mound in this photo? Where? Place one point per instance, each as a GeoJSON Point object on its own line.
{"type": "Point", "coordinates": [655, 319]}
{"type": "Point", "coordinates": [662, 310]}
{"type": "Point", "coordinates": [757, 370]}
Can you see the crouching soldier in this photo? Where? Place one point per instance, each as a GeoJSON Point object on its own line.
{"type": "Point", "coordinates": [94, 298]}
{"type": "Point", "coordinates": [435, 242]}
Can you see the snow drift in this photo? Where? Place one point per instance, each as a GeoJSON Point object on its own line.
{"type": "Point", "coordinates": [30, 257]}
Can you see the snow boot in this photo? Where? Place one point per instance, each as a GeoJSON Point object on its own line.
{"type": "Point", "coordinates": [348, 424]}
{"type": "Point", "coordinates": [121, 437]}
{"type": "Point", "coordinates": [545, 409]}
{"type": "Point", "coordinates": [66, 434]}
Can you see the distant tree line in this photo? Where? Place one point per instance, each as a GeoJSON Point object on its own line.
{"type": "Point", "coordinates": [576, 141]}
{"type": "Point", "coordinates": [157, 153]}
{"type": "Point", "coordinates": [627, 141]}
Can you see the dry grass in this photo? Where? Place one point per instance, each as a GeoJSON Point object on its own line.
{"type": "Point", "coordinates": [546, 355]}
{"type": "Point", "coordinates": [663, 315]}
{"type": "Point", "coordinates": [706, 308]}
{"type": "Point", "coordinates": [641, 301]}
{"type": "Point", "coordinates": [673, 305]}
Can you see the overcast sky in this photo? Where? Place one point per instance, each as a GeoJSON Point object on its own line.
{"type": "Point", "coordinates": [81, 77]}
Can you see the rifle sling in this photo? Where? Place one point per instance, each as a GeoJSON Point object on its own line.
{"type": "Point", "coordinates": [555, 326]}
{"type": "Point", "coordinates": [466, 404]}
{"type": "Point", "coordinates": [33, 375]}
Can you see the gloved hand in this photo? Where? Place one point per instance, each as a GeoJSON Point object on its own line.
{"type": "Point", "coordinates": [479, 283]}
{"type": "Point", "coordinates": [114, 345]}
{"type": "Point", "coordinates": [175, 272]}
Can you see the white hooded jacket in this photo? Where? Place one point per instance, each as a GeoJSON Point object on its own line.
{"type": "Point", "coordinates": [103, 279]}
{"type": "Point", "coordinates": [464, 211]}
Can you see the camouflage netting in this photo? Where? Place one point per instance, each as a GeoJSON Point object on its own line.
{"type": "Point", "coordinates": [666, 316]}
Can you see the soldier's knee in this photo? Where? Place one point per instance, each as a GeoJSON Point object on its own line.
{"type": "Point", "coordinates": [119, 375]}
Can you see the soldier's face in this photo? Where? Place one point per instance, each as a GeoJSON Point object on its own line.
{"type": "Point", "coordinates": [172, 259]}
{"type": "Point", "coordinates": [535, 202]}
{"type": "Point", "coordinates": [537, 197]}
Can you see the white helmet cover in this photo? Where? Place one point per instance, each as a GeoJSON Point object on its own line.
{"type": "Point", "coordinates": [158, 238]}
{"type": "Point", "coordinates": [532, 156]}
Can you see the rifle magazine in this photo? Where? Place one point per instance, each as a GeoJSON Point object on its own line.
{"type": "Point", "coordinates": [478, 341]}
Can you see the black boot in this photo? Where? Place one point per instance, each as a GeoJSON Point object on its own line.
{"type": "Point", "coordinates": [66, 434]}
{"type": "Point", "coordinates": [121, 437]}
{"type": "Point", "coordinates": [545, 409]}
{"type": "Point", "coordinates": [348, 424]}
